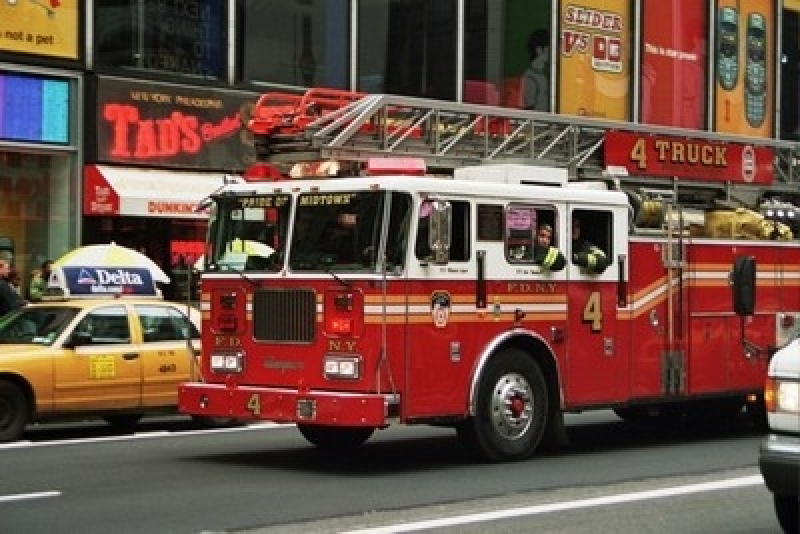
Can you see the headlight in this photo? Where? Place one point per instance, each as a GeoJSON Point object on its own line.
{"type": "Point", "coordinates": [227, 362]}
{"type": "Point", "coordinates": [782, 396]}
{"type": "Point", "coordinates": [339, 366]}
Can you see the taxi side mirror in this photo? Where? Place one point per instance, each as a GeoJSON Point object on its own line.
{"type": "Point", "coordinates": [78, 339]}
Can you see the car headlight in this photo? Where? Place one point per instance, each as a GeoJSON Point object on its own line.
{"type": "Point", "coordinates": [782, 396]}
{"type": "Point", "coordinates": [227, 362]}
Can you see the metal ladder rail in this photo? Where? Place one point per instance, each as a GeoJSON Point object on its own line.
{"type": "Point", "coordinates": [453, 134]}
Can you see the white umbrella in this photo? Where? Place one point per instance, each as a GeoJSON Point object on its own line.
{"type": "Point", "coordinates": [111, 255]}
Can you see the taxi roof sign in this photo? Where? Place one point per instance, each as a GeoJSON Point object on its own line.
{"type": "Point", "coordinates": [94, 282]}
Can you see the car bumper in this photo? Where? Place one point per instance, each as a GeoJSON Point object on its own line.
{"type": "Point", "coordinates": [779, 461]}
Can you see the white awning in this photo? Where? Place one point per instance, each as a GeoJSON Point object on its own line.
{"type": "Point", "coordinates": [110, 190]}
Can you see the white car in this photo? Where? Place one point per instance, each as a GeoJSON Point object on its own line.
{"type": "Point", "coordinates": [779, 458]}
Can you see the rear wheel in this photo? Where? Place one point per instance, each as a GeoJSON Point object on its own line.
{"type": "Point", "coordinates": [14, 411]}
{"type": "Point", "coordinates": [125, 422]}
{"type": "Point", "coordinates": [335, 437]}
{"type": "Point", "coordinates": [786, 508]}
{"type": "Point", "coordinates": [511, 409]}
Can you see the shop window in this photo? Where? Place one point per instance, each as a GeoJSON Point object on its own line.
{"type": "Point", "coordinates": [308, 43]}
{"type": "Point", "coordinates": [175, 37]}
{"type": "Point", "coordinates": [407, 47]}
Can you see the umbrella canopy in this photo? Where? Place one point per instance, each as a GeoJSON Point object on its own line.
{"type": "Point", "coordinates": [111, 255]}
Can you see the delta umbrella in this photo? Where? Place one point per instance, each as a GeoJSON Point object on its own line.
{"type": "Point", "coordinates": [111, 256]}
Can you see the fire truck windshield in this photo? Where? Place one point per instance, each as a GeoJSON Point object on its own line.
{"type": "Point", "coordinates": [331, 232]}
{"type": "Point", "coordinates": [248, 233]}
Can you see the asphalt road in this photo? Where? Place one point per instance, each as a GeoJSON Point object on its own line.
{"type": "Point", "coordinates": [169, 477]}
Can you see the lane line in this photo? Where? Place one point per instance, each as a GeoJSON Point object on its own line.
{"type": "Point", "coordinates": [716, 485]}
{"type": "Point", "coordinates": [29, 496]}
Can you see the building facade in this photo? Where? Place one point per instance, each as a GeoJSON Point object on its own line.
{"type": "Point", "coordinates": [118, 117]}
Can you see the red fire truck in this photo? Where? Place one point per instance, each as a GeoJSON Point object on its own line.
{"type": "Point", "coordinates": [377, 267]}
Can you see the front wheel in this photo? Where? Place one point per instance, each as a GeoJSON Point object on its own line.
{"type": "Point", "coordinates": [511, 410]}
{"type": "Point", "coordinates": [14, 412]}
{"type": "Point", "coordinates": [335, 437]}
{"type": "Point", "coordinates": [786, 508]}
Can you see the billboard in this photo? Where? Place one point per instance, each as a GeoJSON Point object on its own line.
{"type": "Point", "coordinates": [594, 58]}
{"type": "Point", "coordinates": [674, 59]}
{"type": "Point", "coordinates": [744, 74]}
{"type": "Point", "coordinates": [46, 27]}
{"type": "Point", "coordinates": [171, 125]}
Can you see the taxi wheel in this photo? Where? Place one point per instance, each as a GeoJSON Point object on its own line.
{"type": "Point", "coordinates": [14, 411]}
{"type": "Point", "coordinates": [125, 422]}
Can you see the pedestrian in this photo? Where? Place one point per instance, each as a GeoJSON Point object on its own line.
{"type": "Point", "coordinates": [9, 299]}
{"type": "Point", "coordinates": [544, 253]}
{"type": "Point", "coordinates": [37, 284]}
{"type": "Point", "coordinates": [536, 78]}
{"type": "Point", "coordinates": [586, 254]}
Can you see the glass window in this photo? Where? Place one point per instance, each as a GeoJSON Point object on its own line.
{"type": "Point", "coordinates": [407, 47]}
{"type": "Point", "coordinates": [530, 231]}
{"type": "Point", "coordinates": [106, 325]}
{"type": "Point", "coordinates": [36, 207]}
{"type": "Point", "coordinates": [182, 37]}
{"type": "Point", "coordinates": [300, 44]}
{"type": "Point", "coordinates": [37, 325]}
{"type": "Point", "coordinates": [460, 231]}
{"type": "Point", "coordinates": [337, 231]}
{"type": "Point", "coordinates": [161, 323]}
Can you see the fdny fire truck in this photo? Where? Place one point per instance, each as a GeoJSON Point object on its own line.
{"type": "Point", "coordinates": [378, 267]}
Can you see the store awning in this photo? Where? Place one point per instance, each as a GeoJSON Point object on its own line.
{"type": "Point", "coordinates": [110, 190]}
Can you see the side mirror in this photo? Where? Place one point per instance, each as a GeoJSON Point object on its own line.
{"type": "Point", "coordinates": [440, 231]}
{"type": "Point", "coordinates": [78, 339]}
{"type": "Point", "coordinates": [743, 279]}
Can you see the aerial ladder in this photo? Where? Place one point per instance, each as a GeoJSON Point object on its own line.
{"type": "Point", "coordinates": [329, 124]}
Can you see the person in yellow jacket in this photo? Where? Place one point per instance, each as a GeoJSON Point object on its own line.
{"type": "Point", "coordinates": [544, 253]}
{"type": "Point", "coordinates": [585, 254]}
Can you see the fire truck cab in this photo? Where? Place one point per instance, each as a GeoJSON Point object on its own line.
{"type": "Point", "coordinates": [384, 290]}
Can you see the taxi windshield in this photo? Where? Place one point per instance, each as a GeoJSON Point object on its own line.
{"type": "Point", "coordinates": [35, 325]}
{"type": "Point", "coordinates": [249, 232]}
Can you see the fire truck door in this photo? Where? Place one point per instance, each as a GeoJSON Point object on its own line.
{"type": "Point", "coordinates": [596, 369]}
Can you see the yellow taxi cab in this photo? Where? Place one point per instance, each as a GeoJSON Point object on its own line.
{"type": "Point", "coordinates": [102, 344]}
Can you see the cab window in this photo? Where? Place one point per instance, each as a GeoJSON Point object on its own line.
{"type": "Point", "coordinates": [160, 323]}
{"type": "Point", "coordinates": [106, 325]}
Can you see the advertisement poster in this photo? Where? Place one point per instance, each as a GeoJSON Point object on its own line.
{"type": "Point", "coordinates": [173, 125]}
{"type": "Point", "coordinates": [674, 63]}
{"type": "Point", "coordinates": [745, 70]}
{"type": "Point", "coordinates": [42, 27]}
{"type": "Point", "coordinates": [595, 53]}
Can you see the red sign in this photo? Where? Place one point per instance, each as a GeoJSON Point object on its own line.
{"type": "Point", "coordinates": [696, 159]}
{"type": "Point", "coordinates": [99, 198]}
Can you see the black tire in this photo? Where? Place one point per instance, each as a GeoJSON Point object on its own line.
{"type": "Point", "coordinates": [511, 411]}
{"type": "Point", "coordinates": [786, 508]}
{"type": "Point", "coordinates": [206, 421]}
{"type": "Point", "coordinates": [335, 437]}
{"type": "Point", "coordinates": [14, 412]}
{"type": "Point", "coordinates": [125, 422]}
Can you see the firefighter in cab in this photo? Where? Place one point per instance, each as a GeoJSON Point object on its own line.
{"type": "Point", "coordinates": [544, 253]}
{"type": "Point", "coordinates": [585, 254]}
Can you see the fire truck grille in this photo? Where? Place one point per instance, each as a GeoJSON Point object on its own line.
{"type": "Point", "coordinates": [284, 315]}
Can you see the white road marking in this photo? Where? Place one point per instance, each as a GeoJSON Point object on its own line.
{"type": "Point", "coordinates": [28, 496]}
{"type": "Point", "coordinates": [141, 435]}
{"type": "Point", "coordinates": [716, 485]}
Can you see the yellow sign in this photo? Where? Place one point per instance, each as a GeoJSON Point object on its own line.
{"type": "Point", "coordinates": [43, 27]}
{"type": "Point", "coordinates": [102, 367]}
{"type": "Point", "coordinates": [594, 74]}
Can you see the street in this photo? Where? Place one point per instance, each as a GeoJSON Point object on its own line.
{"type": "Point", "coordinates": [169, 477]}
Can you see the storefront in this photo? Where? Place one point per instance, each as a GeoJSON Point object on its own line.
{"type": "Point", "coordinates": [39, 132]}
{"type": "Point", "coordinates": [159, 150]}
